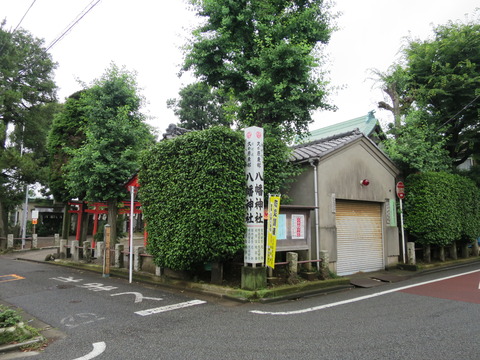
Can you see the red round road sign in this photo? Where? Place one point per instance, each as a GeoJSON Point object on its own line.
{"type": "Point", "coordinates": [400, 190]}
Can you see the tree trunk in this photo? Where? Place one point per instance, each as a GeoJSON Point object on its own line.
{"type": "Point", "coordinates": [66, 222]}
{"type": "Point", "coordinates": [112, 219]}
{"type": "Point", "coordinates": [3, 225]}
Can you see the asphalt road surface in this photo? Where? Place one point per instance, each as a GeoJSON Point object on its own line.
{"type": "Point", "coordinates": [434, 316]}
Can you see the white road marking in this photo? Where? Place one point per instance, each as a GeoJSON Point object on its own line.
{"type": "Point", "coordinates": [169, 307]}
{"type": "Point", "coordinates": [360, 298]}
{"type": "Point", "coordinates": [138, 296]}
{"type": "Point", "coordinates": [98, 348]}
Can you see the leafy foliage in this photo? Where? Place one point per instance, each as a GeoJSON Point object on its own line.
{"type": "Point", "coordinates": [193, 196]}
{"type": "Point", "coordinates": [417, 146]}
{"type": "Point", "coordinates": [266, 55]}
{"type": "Point", "coordinates": [441, 208]}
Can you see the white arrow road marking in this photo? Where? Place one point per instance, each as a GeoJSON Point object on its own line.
{"type": "Point", "coordinates": [138, 296]}
{"type": "Point", "coordinates": [169, 307]}
{"type": "Point", "coordinates": [320, 307]}
{"type": "Point", "coordinates": [98, 348]}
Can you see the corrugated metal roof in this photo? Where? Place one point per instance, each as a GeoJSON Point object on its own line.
{"type": "Point", "coordinates": [319, 148]}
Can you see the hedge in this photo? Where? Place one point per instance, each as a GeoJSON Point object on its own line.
{"type": "Point", "coordinates": [441, 208]}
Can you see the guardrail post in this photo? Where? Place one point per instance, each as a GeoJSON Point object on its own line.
{"type": "Point", "coordinates": [137, 261]}
{"type": "Point", "coordinates": [75, 250]}
{"type": "Point", "coordinates": [56, 239]}
{"type": "Point", "coordinates": [10, 241]}
{"type": "Point", "coordinates": [34, 241]}
{"type": "Point", "coordinates": [87, 252]}
{"type": "Point", "coordinates": [63, 249]}
{"type": "Point", "coordinates": [292, 258]}
{"type": "Point", "coordinates": [119, 255]}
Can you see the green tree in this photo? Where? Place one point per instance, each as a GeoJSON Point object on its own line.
{"type": "Point", "coordinates": [200, 107]}
{"type": "Point", "coordinates": [265, 54]}
{"type": "Point", "coordinates": [417, 146]}
{"type": "Point", "coordinates": [26, 85]}
{"type": "Point", "coordinates": [115, 134]}
{"type": "Point", "coordinates": [444, 79]}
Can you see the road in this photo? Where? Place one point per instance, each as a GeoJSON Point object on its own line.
{"type": "Point", "coordinates": [108, 318]}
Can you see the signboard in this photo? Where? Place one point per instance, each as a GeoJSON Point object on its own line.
{"type": "Point", "coordinates": [254, 242]}
{"type": "Point", "coordinates": [273, 217]}
{"type": "Point", "coordinates": [298, 226]}
{"type": "Point", "coordinates": [34, 214]}
{"type": "Point", "coordinates": [34, 221]}
{"type": "Point", "coordinates": [400, 190]}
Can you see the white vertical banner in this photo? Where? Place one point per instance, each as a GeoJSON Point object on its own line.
{"type": "Point", "coordinates": [254, 248]}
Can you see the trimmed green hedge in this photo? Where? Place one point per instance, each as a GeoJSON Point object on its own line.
{"type": "Point", "coordinates": [441, 208]}
{"type": "Point", "coordinates": [193, 198]}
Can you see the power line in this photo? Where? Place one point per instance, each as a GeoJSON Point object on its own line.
{"type": "Point", "coordinates": [73, 23]}
{"type": "Point", "coordinates": [23, 17]}
{"type": "Point", "coordinates": [458, 113]}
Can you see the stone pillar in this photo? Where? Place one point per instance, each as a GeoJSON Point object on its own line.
{"type": "Point", "coordinates": [35, 241]}
{"type": "Point", "coordinates": [63, 249]}
{"type": "Point", "coordinates": [56, 238]}
{"type": "Point", "coordinates": [412, 260]}
{"type": "Point", "coordinates": [158, 271]}
{"type": "Point", "coordinates": [137, 259]}
{"type": "Point", "coordinates": [475, 247]}
{"type": "Point", "coordinates": [427, 257]}
{"type": "Point", "coordinates": [323, 254]}
{"type": "Point", "coordinates": [87, 251]}
{"type": "Point", "coordinates": [10, 241]}
{"type": "Point", "coordinates": [453, 251]}
{"type": "Point", "coordinates": [441, 253]}
{"type": "Point", "coordinates": [100, 251]}
{"type": "Point", "coordinates": [119, 255]}
{"type": "Point", "coordinates": [75, 250]}
{"type": "Point", "coordinates": [292, 258]}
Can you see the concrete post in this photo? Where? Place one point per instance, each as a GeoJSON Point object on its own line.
{"type": "Point", "coordinates": [475, 247]}
{"type": "Point", "coordinates": [292, 258]}
{"type": "Point", "coordinates": [63, 249]}
{"type": "Point", "coordinates": [137, 261]}
{"type": "Point", "coordinates": [99, 251]}
{"type": "Point", "coordinates": [158, 271]}
{"type": "Point", "coordinates": [56, 239]}
{"type": "Point", "coordinates": [441, 253]}
{"type": "Point", "coordinates": [119, 255]}
{"type": "Point", "coordinates": [412, 260]}
{"type": "Point", "coordinates": [87, 252]}
{"type": "Point", "coordinates": [325, 259]}
{"type": "Point", "coordinates": [10, 241]}
{"type": "Point", "coordinates": [75, 250]}
{"type": "Point", "coordinates": [34, 241]}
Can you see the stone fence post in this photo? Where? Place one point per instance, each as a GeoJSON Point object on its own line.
{"type": "Point", "coordinates": [99, 251]}
{"type": "Point", "coordinates": [137, 261]}
{"type": "Point", "coordinates": [412, 260]}
{"type": "Point", "coordinates": [292, 258]}
{"type": "Point", "coordinates": [34, 241]}
{"type": "Point", "coordinates": [87, 252]}
{"type": "Point", "coordinates": [10, 241]}
{"type": "Point", "coordinates": [63, 249]}
{"type": "Point", "coordinates": [119, 255]}
{"type": "Point", "coordinates": [56, 239]}
{"type": "Point", "coordinates": [75, 250]}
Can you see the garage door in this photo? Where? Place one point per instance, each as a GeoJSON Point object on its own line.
{"type": "Point", "coordinates": [359, 237]}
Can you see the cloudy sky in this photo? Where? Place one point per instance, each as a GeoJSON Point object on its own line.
{"type": "Point", "coordinates": [146, 36]}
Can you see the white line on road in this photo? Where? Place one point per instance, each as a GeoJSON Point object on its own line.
{"type": "Point", "coordinates": [321, 307]}
{"type": "Point", "coordinates": [98, 348]}
{"type": "Point", "coordinates": [169, 307]}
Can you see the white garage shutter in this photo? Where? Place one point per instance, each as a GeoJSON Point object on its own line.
{"type": "Point", "coordinates": [359, 237]}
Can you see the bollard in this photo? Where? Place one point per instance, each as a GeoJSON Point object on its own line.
{"type": "Point", "coordinates": [63, 249]}
{"type": "Point", "coordinates": [119, 255]}
{"type": "Point", "coordinates": [10, 241]}
{"type": "Point", "coordinates": [411, 253]}
{"type": "Point", "coordinates": [137, 261]}
{"type": "Point", "coordinates": [292, 258]}
{"type": "Point", "coordinates": [87, 252]}
{"type": "Point", "coordinates": [34, 241]}
{"type": "Point", "coordinates": [56, 238]}
{"type": "Point", "coordinates": [75, 250]}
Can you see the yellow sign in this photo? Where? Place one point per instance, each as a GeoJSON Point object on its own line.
{"type": "Point", "coordinates": [273, 213]}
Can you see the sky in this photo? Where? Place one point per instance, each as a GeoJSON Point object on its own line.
{"type": "Point", "coordinates": [146, 37]}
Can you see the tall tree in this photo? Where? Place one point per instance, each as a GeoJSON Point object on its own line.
{"type": "Point", "coordinates": [200, 107]}
{"type": "Point", "coordinates": [267, 54]}
{"type": "Point", "coordinates": [445, 81]}
{"type": "Point", "coordinates": [26, 73]}
{"type": "Point", "coordinates": [115, 134]}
